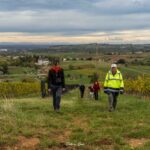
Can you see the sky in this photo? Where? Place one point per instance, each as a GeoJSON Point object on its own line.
{"type": "Point", "coordinates": [75, 21]}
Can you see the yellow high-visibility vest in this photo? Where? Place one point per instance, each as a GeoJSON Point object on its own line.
{"type": "Point", "coordinates": [114, 81]}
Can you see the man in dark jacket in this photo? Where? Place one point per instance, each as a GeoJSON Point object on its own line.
{"type": "Point", "coordinates": [56, 84]}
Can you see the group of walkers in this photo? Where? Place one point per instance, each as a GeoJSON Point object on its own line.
{"type": "Point", "coordinates": [113, 86]}
{"type": "Point", "coordinates": [93, 90]}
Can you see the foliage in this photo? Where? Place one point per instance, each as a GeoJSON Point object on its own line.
{"type": "Point", "coordinates": [121, 61]}
{"type": "Point", "coordinates": [140, 86]}
{"type": "Point", "coordinates": [94, 77]}
{"type": "Point", "coordinates": [4, 68]}
{"type": "Point", "coordinates": [80, 121]}
{"type": "Point", "coordinates": [15, 89]}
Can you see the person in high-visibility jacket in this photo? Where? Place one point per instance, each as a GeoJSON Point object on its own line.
{"type": "Point", "coordinates": [113, 86]}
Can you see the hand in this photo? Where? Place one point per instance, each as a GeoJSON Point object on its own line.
{"type": "Point", "coordinates": [63, 89]}
{"type": "Point", "coordinates": [121, 91]}
{"type": "Point", "coordinates": [49, 90]}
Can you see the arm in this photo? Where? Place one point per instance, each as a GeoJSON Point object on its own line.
{"type": "Point", "coordinates": [49, 79]}
{"type": "Point", "coordinates": [106, 84]}
{"type": "Point", "coordinates": [106, 81]}
{"type": "Point", "coordinates": [63, 79]}
{"type": "Point", "coordinates": [121, 84]}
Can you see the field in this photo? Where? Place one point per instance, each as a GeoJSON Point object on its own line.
{"type": "Point", "coordinates": [30, 123]}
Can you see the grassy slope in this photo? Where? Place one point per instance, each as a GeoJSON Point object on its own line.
{"type": "Point", "coordinates": [86, 122]}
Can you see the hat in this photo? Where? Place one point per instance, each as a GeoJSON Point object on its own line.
{"type": "Point", "coordinates": [113, 66]}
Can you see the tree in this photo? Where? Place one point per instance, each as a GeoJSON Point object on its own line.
{"type": "Point", "coordinates": [121, 61]}
{"type": "Point", "coordinates": [5, 68]}
{"type": "Point", "coordinates": [94, 77]}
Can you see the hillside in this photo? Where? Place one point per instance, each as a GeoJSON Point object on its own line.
{"type": "Point", "coordinates": [30, 123]}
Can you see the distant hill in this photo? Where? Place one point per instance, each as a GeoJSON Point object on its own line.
{"type": "Point", "coordinates": [90, 48]}
{"type": "Point", "coordinates": [93, 48]}
{"type": "Point", "coordinates": [23, 46]}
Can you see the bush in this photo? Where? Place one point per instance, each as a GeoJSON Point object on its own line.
{"type": "Point", "coordinates": [121, 61]}
{"type": "Point", "coordinates": [94, 77]}
{"type": "Point", "coordinates": [16, 89]}
{"type": "Point", "coordinates": [140, 86]}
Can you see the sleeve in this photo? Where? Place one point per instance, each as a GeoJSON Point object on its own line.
{"type": "Point", "coordinates": [106, 81]}
{"type": "Point", "coordinates": [49, 79]}
{"type": "Point", "coordinates": [63, 79]}
{"type": "Point", "coordinates": [122, 83]}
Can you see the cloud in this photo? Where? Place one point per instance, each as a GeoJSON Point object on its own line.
{"type": "Point", "coordinates": [118, 7]}
{"type": "Point", "coordinates": [69, 22]}
{"type": "Point", "coordinates": [134, 36]}
{"type": "Point", "coordinates": [88, 6]}
{"type": "Point", "coordinates": [73, 18]}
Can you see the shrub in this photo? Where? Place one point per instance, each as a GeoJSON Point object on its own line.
{"type": "Point", "coordinates": [139, 86]}
{"type": "Point", "coordinates": [16, 89]}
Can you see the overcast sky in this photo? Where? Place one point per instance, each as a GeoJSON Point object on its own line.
{"type": "Point", "coordinates": [75, 21]}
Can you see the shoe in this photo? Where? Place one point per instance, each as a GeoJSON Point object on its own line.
{"type": "Point", "coordinates": [110, 109]}
{"type": "Point", "coordinates": [57, 111]}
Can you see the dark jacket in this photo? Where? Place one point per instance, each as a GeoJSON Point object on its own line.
{"type": "Point", "coordinates": [56, 77]}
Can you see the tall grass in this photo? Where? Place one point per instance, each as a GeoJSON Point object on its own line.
{"type": "Point", "coordinates": [16, 89]}
{"type": "Point", "coordinates": [81, 124]}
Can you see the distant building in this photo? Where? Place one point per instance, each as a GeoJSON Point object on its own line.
{"type": "Point", "coordinates": [15, 57]}
{"type": "Point", "coordinates": [64, 59]}
{"type": "Point", "coordinates": [3, 50]}
{"type": "Point", "coordinates": [42, 62]}
{"type": "Point", "coordinates": [139, 52]}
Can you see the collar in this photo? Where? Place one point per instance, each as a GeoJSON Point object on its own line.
{"type": "Point", "coordinates": [56, 68]}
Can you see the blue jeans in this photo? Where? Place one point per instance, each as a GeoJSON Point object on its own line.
{"type": "Point", "coordinates": [57, 91]}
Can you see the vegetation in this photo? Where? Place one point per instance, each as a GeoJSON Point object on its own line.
{"type": "Point", "coordinates": [140, 86]}
{"type": "Point", "coordinates": [19, 89]}
{"type": "Point", "coordinates": [30, 123]}
{"type": "Point", "coordinates": [82, 124]}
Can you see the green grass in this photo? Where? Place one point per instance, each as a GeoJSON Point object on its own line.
{"type": "Point", "coordinates": [21, 70]}
{"type": "Point", "coordinates": [86, 122]}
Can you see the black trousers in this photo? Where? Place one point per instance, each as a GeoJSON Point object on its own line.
{"type": "Point", "coordinates": [96, 95]}
{"type": "Point", "coordinates": [112, 97]}
{"type": "Point", "coordinates": [81, 93]}
{"type": "Point", "coordinates": [57, 91]}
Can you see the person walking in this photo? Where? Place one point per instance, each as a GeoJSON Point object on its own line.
{"type": "Point", "coordinates": [82, 89]}
{"type": "Point", "coordinates": [96, 89]}
{"type": "Point", "coordinates": [56, 84]}
{"type": "Point", "coordinates": [113, 86]}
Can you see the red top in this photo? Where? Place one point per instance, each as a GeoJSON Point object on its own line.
{"type": "Point", "coordinates": [96, 86]}
{"type": "Point", "coordinates": [56, 68]}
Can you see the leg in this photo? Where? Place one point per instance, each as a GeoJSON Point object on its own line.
{"type": "Point", "coordinates": [54, 98]}
{"type": "Point", "coordinates": [58, 98]}
{"type": "Point", "coordinates": [110, 98]}
{"type": "Point", "coordinates": [97, 95]}
{"type": "Point", "coordinates": [81, 93]}
{"type": "Point", "coordinates": [115, 95]}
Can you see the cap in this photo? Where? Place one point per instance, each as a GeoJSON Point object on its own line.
{"type": "Point", "coordinates": [113, 66]}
